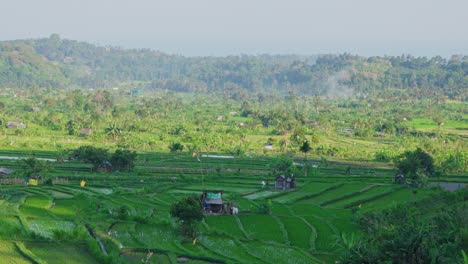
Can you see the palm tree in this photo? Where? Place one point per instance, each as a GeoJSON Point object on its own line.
{"type": "Point", "coordinates": [304, 149]}
{"type": "Point", "coordinates": [113, 131]}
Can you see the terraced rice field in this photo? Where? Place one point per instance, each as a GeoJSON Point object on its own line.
{"type": "Point", "coordinates": [68, 253]}
{"type": "Point", "coordinates": [11, 255]}
{"type": "Point", "coordinates": [122, 217]}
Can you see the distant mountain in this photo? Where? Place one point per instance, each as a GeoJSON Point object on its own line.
{"type": "Point", "coordinates": [56, 62]}
{"type": "Point", "coordinates": [21, 65]}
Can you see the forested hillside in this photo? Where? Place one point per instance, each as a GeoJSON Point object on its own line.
{"type": "Point", "coordinates": [56, 62]}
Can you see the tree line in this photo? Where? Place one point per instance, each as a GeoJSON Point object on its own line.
{"type": "Point", "coordinates": [56, 62]}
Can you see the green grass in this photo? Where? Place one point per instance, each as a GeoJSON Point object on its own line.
{"type": "Point", "coordinates": [299, 234]}
{"type": "Point", "coordinates": [155, 236]}
{"type": "Point", "coordinates": [279, 253]}
{"type": "Point", "coordinates": [125, 233]}
{"type": "Point", "coordinates": [362, 195]}
{"type": "Point", "coordinates": [37, 207]}
{"type": "Point", "coordinates": [262, 227]}
{"type": "Point", "coordinates": [399, 196]}
{"type": "Point", "coordinates": [10, 255]}
{"type": "Point", "coordinates": [326, 235]}
{"type": "Point", "coordinates": [10, 227]}
{"type": "Point", "coordinates": [280, 209]}
{"type": "Point", "coordinates": [38, 201]}
{"type": "Point", "coordinates": [227, 248]}
{"type": "Point", "coordinates": [332, 194]}
{"type": "Point", "coordinates": [260, 195]}
{"type": "Point", "coordinates": [227, 224]}
{"type": "Point", "coordinates": [310, 209]}
{"type": "Point", "coordinates": [46, 227]}
{"type": "Point", "coordinates": [307, 190]}
{"type": "Point", "coordinates": [62, 253]}
{"type": "Point", "coordinates": [138, 257]}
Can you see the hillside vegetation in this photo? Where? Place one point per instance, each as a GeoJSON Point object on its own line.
{"type": "Point", "coordinates": [57, 62]}
{"type": "Point", "coordinates": [105, 152]}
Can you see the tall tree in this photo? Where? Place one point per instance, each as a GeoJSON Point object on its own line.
{"type": "Point", "coordinates": [188, 212]}
{"type": "Point", "coordinates": [123, 159]}
{"type": "Point", "coordinates": [35, 167]}
{"type": "Point", "coordinates": [416, 165]}
{"type": "Point", "coordinates": [93, 155]}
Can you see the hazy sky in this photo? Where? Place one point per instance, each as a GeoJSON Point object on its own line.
{"type": "Point", "coordinates": [221, 27]}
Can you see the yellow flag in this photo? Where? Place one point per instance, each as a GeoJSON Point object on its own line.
{"type": "Point", "coordinates": [82, 183]}
{"type": "Point", "coordinates": [194, 241]}
{"type": "Point", "coordinates": [32, 182]}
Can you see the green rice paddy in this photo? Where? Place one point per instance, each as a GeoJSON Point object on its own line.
{"type": "Point", "coordinates": [129, 213]}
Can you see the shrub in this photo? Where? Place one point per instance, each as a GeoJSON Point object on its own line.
{"type": "Point", "coordinates": [122, 212]}
{"type": "Point", "coordinates": [48, 182]}
{"type": "Point", "coordinates": [263, 208]}
{"type": "Point", "coordinates": [384, 155]}
{"type": "Point", "coordinates": [455, 162]}
{"type": "Point", "coordinates": [123, 160]}
{"type": "Point", "coordinates": [401, 235]}
{"type": "Point", "coordinates": [141, 219]}
{"type": "Point", "coordinates": [176, 147]}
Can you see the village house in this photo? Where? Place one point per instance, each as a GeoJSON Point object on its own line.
{"type": "Point", "coordinates": [285, 183]}
{"type": "Point", "coordinates": [15, 124]}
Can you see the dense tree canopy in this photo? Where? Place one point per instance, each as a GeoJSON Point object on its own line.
{"type": "Point", "coordinates": [410, 234]}
{"type": "Point", "coordinates": [123, 160]}
{"type": "Point", "coordinates": [93, 155]}
{"type": "Point", "coordinates": [57, 62]}
{"type": "Point", "coordinates": [415, 165]}
{"type": "Point", "coordinates": [35, 167]}
{"type": "Point", "coordinates": [188, 211]}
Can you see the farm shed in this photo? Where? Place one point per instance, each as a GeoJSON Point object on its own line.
{"type": "Point", "coordinates": [285, 183]}
{"type": "Point", "coordinates": [106, 166]}
{"type": "Point", "coordinates": [85, 132]}
{"type": "Point", "coordinates": [400, 178]}
{"type": "Point", "coordinates": [15, 124]}
{"type": "Point", "coordinates": [5, 171]}
{"type": "Point", "coordinates": [212, 201]}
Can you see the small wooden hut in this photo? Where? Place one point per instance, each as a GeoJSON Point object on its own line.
{"type": "Point", "coordinates": [5, 171]}
{"type": "Point", "coordinates": [85, 132]}
{"type": "Point", "coordinates": [285, 183]}
{"type": "Point", "coordinates": [212, 202]}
